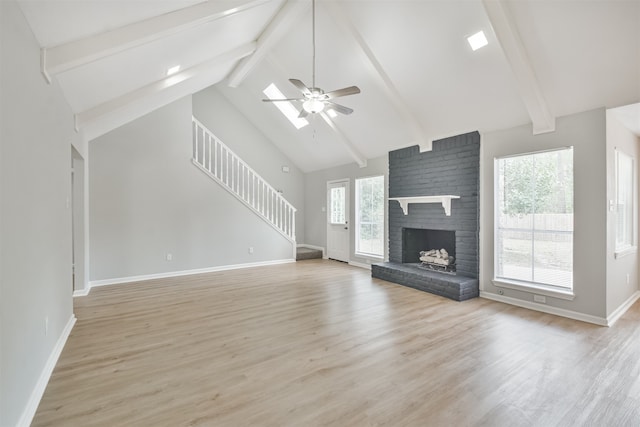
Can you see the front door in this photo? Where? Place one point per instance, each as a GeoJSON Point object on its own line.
{"type": "Point", "coordinates": [338, 220]}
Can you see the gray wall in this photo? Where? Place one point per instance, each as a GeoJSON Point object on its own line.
{"type": "Point", "coordinates": [36, 134]}
{"type": "Point", "coordinates": [148, 199]}
{"type": "Point", "coordinates": [586, 133]}
{"type": "Point", "coordinates": [618, 290]}
{"type": "Point", "coordinates": [228, 124]}
{"type": "Point", "coordinates": [316, 201]}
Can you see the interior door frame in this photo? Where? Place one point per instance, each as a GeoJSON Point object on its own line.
{"type": "Point", "coordinates": [347, 224]}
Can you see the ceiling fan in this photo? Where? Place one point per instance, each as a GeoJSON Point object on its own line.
{"type": "Point", "coordinates": [314, 99]}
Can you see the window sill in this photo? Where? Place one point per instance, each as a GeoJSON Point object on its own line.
{"type": "Point", "coordinates": [364, 255]}
{"type": "Point", "coordinates": [535, 289]}
{"type": "Point", "coordinates": [623, 252]}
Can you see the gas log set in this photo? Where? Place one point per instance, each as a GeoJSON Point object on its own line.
{"type": "Point", "coordinates": [438, 260]}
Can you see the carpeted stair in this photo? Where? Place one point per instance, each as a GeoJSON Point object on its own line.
{"type": "Point", "coordinates": [303, 253]}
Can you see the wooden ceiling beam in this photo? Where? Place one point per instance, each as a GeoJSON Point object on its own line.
{"type": "Point", "coordinates": [65, 57]}
{"type": "Point", "coordinates": [353, 151]}
{"type": "Point", "coordinates": [507, 34]}
{"type": "Point", "coordinates": [279, 26]}
{"type": "Point", "coordinates": [125, 108]}
{"type": "Point", "coordinates": [379, 74]}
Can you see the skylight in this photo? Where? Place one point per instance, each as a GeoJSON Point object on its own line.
{"type": "Point", "coordinates": [477, 40]}
{"type": "Point", "coordinates": [287, 108]}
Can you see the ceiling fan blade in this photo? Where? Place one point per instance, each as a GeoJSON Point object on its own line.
{"type": "Point", "coordinates": [301, 86]}
{"type": "Point", "coordinates": [351, 90]}
{"type": "Point", "coordinates": [339, 108]}
{"type": "Point", "coordinates": [303, 113]}
{"type": "Point", "coordinates": [280, 100]}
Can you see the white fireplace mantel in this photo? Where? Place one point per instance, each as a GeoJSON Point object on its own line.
{"type": "Point", "coordinates": [406, 201]}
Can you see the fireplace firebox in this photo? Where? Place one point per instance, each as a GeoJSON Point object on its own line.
{"type": "Point", "coordinates": [415, 240]}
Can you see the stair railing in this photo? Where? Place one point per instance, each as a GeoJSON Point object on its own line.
{"type": "Point", "coordinates": [219, 162]}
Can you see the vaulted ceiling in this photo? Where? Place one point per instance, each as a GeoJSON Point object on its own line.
{"type": "Point", "coordinates": [419, 78]}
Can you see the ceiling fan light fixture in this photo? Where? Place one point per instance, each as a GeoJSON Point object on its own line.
{"type": "Point", "coordinates": [313, 106]}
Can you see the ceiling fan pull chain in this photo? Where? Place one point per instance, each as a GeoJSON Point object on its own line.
{"type": "Point", "coordinates": [313, 42]}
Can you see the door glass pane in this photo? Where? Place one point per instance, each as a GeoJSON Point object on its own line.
{"type": "Point", "coordinates": [338, 203]}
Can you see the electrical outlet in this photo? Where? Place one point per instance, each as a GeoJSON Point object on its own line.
{"type": "Point", "coordinates": [628, 278]}
{"type": "Point", "coordinates": [250, 249]}
{"type": "Point", "coordinates": [540, 298]}
{"type": "Point", "coordinates": [169, 257]}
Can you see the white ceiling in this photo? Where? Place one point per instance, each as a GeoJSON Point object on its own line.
{"type": "Point", "coordinates": [420, 81]}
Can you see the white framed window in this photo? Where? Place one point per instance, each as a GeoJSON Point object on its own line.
{"type": "Point", "coordinates": [534, 221]}
{"type": "Point", "coordinates": [625, 203]}
{"type": "Point", "coordinates": [370, 216]}
{"type": "Point", "coordinates": [338, 203]}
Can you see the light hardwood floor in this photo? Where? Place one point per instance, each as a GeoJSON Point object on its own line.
{"type": "Point", "coordinates": [322, 343]}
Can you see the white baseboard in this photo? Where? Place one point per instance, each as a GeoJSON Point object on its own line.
{"type": "Point", "coordinates": [43, 380]}
{"type": "Point", "coordinates": [318, 248]}
{"type": "Point", "coordinates": [618, 312]}
{"type": "Point", "coordinates": [600, 321]}
{"type": "Point", "coordinates": [169, 274]}
{"type": "Point", "coordinates": [82, 292]}
{"type": "Point", "coordinates": [360, 265]}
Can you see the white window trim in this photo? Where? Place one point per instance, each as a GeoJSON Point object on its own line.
{"type": "Point", "coordinates": [535, 288]}
{"type": "Point", "coordinates": [530, 287]}
{"type": "Point", "coordinates": [623, 250]}
{"type": "Point", "coordinates": [357, 222]}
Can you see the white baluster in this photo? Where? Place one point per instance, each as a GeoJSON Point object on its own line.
{"type": "Point", "coordinates": [234, 166]}
{"type": "Point", "coordinates": [228, 168]}
{"type": "Point", "coordinates": [215, 157]}
{"type": "Point", "coordinates": [264, 200]}
{"type": "Point", "coordinates": [196, 149]}
{"type": "Point", "coordinates": [245, 191]}
{"type": "Point", "coordinates": [209, 148]}
{"type": "Point", "coordinates": [193, 139]}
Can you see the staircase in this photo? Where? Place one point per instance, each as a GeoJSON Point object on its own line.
{"type": "Point", "coordinates": [215, 159]}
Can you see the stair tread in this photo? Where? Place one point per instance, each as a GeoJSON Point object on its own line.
{"type": "Point", "coordinates": [303, 253]}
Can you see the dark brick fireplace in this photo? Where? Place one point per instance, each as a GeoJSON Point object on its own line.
{"type": "Point", "coordinates": [451, 168]}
